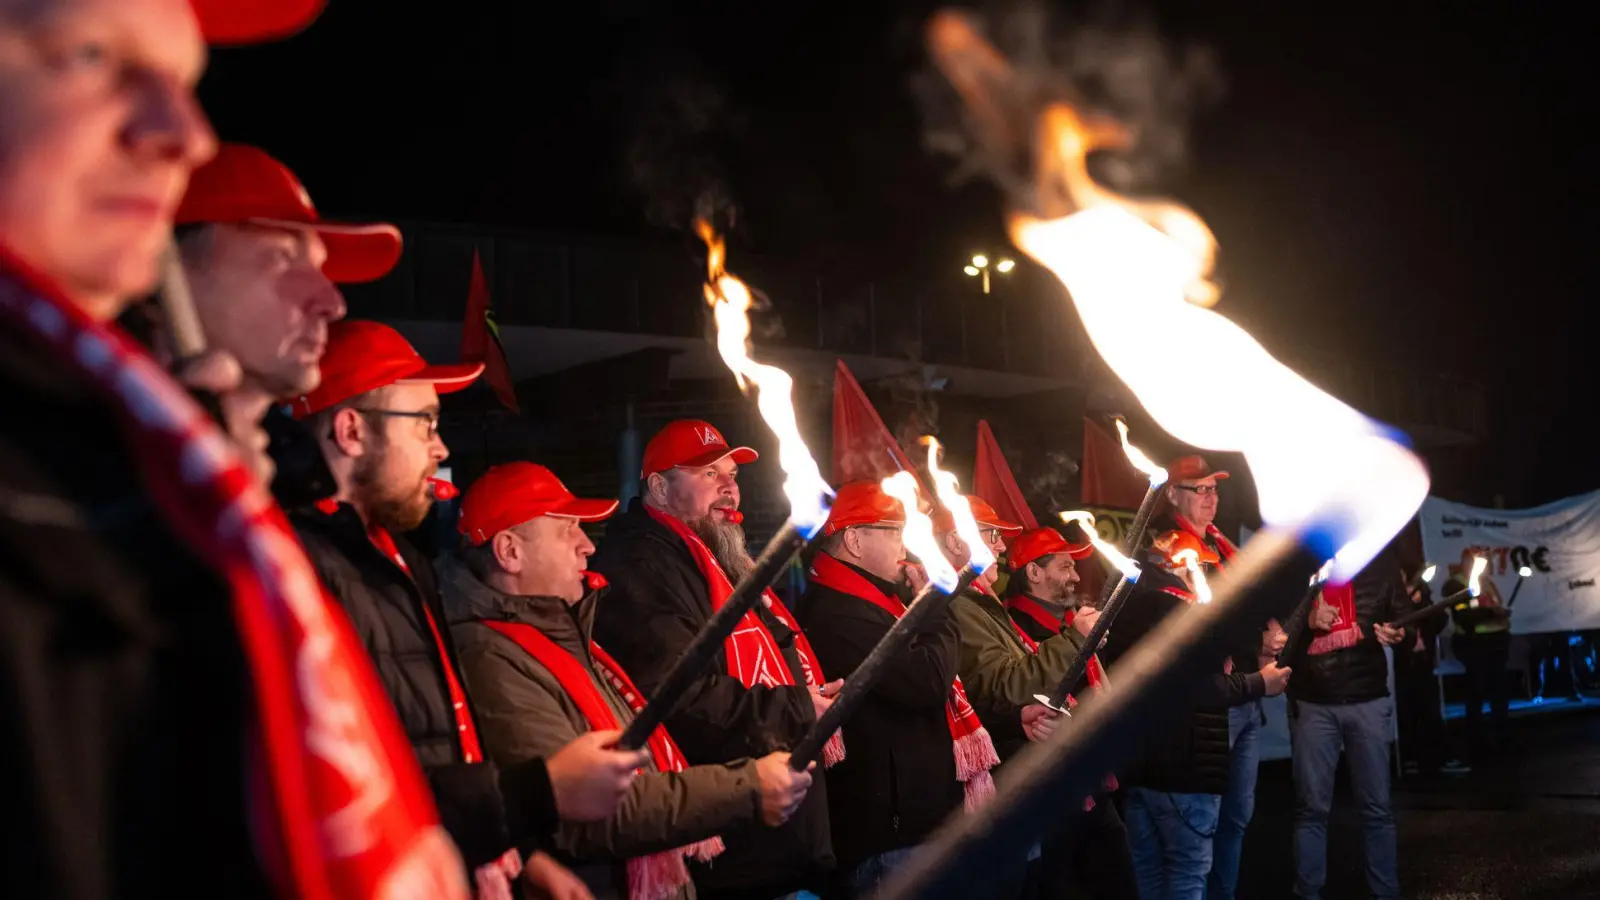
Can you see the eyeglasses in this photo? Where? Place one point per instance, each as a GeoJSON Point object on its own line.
{"type": "Point", "coordinates": [1204, 490]}
{"type": "Point", "coordinates": [431, 416]}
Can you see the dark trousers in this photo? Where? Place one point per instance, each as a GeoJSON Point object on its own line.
{"type": "Point", "coordinates": [1485, 657]}
{"type": "Point", "coordinates": [1092, 853]}
{"type": "Point", "coordinates": [1422, 734]}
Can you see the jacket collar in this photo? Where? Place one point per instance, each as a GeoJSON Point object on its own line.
{"type": "Point", "coordinates": [468, 599]}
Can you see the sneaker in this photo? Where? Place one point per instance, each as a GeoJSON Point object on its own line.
{"type": "Point", "coordinates": [1454, 767]}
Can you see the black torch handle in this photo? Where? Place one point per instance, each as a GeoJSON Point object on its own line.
{"type": "Point", "coordinates": [703, 649]}
{"type": "Point", "coordinates": [929, 601]}
{"type": "Point", "coordinates": [1413, 618]}
{"type": "Point", "coordinates": [1091, 644]}
{"type": "Point", "coordinates": [1130, 543]}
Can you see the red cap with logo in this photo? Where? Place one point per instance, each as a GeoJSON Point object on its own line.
{"type": "Point", "coordinates": [232, 22]}
{"type": "Point", "coordinates": [510, 494]}
{"type": "Point", "coordinates": [363, 356]}
{"type": "Point", "coordinates": [690, 443]}
{"type": "Point", "coordinates": [863, 503]}
{"type": "Point", "coordinates": [242, 185]}
{"type": "Point", "coordinates": [1034, 545]}
{"type": "Point", "coordinates": [982, 512]}
{"type": "Point", "coordinates": [1192, 468]}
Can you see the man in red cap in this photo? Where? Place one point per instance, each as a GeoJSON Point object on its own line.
{"type": "Point", "coordinates": [917, 748]}
{"type": "Point", "coordinates": [672, 559]}
{"type": "Point", "coordinates": [185, 706]}
{"type": "Point", "coordinates": [262, 266]}
{"type": "Point", "coordinates": [1191, 500]}
{"type": "Point", "coordinates": [522, 610]}
{"type": "Point", "coordinates": [376, 415]}
{"type": "Point", "coordinates": [1042, 592]}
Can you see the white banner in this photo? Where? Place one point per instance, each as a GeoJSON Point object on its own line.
{"type": "Point", "coordinates": [1559, 542]}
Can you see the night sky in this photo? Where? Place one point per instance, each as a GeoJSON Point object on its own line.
{"type": "Point", "coordinates": [1406, 187]}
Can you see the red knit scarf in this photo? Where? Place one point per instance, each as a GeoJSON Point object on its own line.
{"type": "Point", "coordinates": [1225, 547]}
{"type": "Point", "coordinates": [974, 750]}
{"type": "Point", "coordinates": [1031, 608]}
{"type": "Point", "coordinates": [753, 654]}
{"type": "Point", "coordinates": [340, 806]}
{"type": "Point", "coordinates": [658, 876]}
{"type": "Point", "coordinates": [1345, 631]}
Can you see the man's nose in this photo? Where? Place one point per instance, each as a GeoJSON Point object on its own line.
{"type": "Point", "coordinates": [170, 124]}
{"type": "Point", "coordinates": [326, 301]}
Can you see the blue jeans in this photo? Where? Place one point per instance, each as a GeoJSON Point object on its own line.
{"type": "Point", "coordinates": [873, 871]}
{"type": "Point", "coordinates": [1316, 733]}
{"type": "Point", "coordinates": [1239, 803]}
{"type": "Point", "coordinates": [1170, 837]}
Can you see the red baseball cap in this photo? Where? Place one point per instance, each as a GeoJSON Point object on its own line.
{"type": "Point", "coordinates": [863, 503]}
{"type": "Point", "coordinates": [1192, 468]}
{"type": "Point", "coordinates": [235, 22]}
{"type": "Point", "coordinates": [364, 356]}
{"type": "Point", "coordinates": [982, 512]}
{"type": "Point", "coordinates": [1036, 544]}
{"type": "Point", "coordinates": [243, 185]}
{"type": "Point", "coordinates": [510, 494]}
{"type": "Point", "coordinates": [690, 443]}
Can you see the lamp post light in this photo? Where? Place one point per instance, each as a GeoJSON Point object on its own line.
{"type": "Point", "coordinates": [981, 264]}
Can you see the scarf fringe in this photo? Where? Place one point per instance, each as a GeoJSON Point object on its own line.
{"type": "Point", "coordinates": [975, 755]}
{"type": "Point", "coordinates": [833, 750]}
{"type": "Point", "coordinates": [706, 850]}
{"type": "Point", "coordinates": [659, 876]}
{"type": "Point", "coordinates": [494, 879]}
{"type": "Point", "coordinates": [978, 791]}
{"type": "Point", "coordinates": [1334, 640]}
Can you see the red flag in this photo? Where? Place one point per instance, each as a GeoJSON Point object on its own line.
{"type": "Point", "coordinates": [480, 339]}
{"type": "Point", "coordinates": [863, 449]}
{"type": "Point", "coordinates": [1109, 480]}
{"type": "Point", "coordinates": [992, 480]}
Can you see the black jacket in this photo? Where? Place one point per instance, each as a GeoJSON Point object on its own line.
{"type": "Point", "coordinates": [485, 809]}
{"type": "Point", "coordinates": [124, 711]}
{"type": "Point", "coordinates": [657, 604]}
{"type": "Point", "coordinates": [897, 782]}
{"type": "Point", "coordinates": [1359, 673]}
{"type": "Point", "coordinates": [1190, 754]}
{"type": "Point", "coordinates": [1245, 653]}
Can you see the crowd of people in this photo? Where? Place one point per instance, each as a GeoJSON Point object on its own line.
{"type": "Point", "coordinates": [226, 666]}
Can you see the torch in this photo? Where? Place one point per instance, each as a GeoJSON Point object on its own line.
{"type": "Point", "coordinates": [1332, 484]}
{"type": "Point", "coordinates": [803, 484]}
{"type": "Point", "coordinates": [1057, 699]}
{"type": "Point", "coordinates": [944, 582]}
{"type": "Point", "coordinates": [1522, 575]}
{"type": "Point", "coordinates": [1473, 588]}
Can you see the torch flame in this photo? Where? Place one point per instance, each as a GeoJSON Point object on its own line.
{"type": "Point", "coordinates": [1156, 474]}
{"type": "Point", "coordinates": [950, 496]}
{"type": "Point", "coordinates": [1197, 576]}
{"type": "Point", "coordinates": [1427, 574]}
{"type": "Point", "coordinates": [730, 304]}
{"type": "Point", "coordinates": [918, 533]}
{"type": "Point", "coordinates": [1085, 520]}
{"type": "Point", "coordinates": [1479, 563]}
{"type": "Point", "coordinates": [1135, 271]}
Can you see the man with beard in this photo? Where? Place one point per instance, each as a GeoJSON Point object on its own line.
{"type": "Point", "coordinates": [1191, 506]}
{"type": "Point", "coordinates": [672, 559]}
{"type": "Point", "coordinates": [1042, 592]}
{"type": "Point", "coordinates": [917, 748]}
{"type": "Point", "coordinates": [183, 708]}
{"type": "Point", "coordinates": [376, 415]}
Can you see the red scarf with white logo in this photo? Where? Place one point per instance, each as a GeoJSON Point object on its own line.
{"type": "Point", "coordinates": [1345, 630]}
{"type": "Point", "coordinates": [752, 651]}
{"type": "Point", "coordinates": [658, 876]}
{"type": "Point", "coordinates": [1031, 608]}
{"type": "Point", "coordinates": [974, 750]}
{"type": "Point", "coordinates": [340, 806]}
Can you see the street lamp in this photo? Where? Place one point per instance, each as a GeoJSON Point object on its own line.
{"type": "Point", "coordinates": [980, 266]}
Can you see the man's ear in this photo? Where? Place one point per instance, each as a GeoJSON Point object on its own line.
{"type": "Point", "coordinates": [952, 542]}
{"type": "Point", "coordinates": [350, 432]}
{"type": "Point", "coordinates": [850, 540]}
{"type": "Point", "coordinates": [657, 486]}
{"type": "Point", "coordinates": [507, 553]}
{"type": "Point", "coordinates": [1035, 573]}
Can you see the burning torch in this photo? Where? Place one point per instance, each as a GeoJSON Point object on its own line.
{"type": "Point", "coordinates": [1522, 575]}
{"type": "Point", "coordinates": [803, 484]}
{"type": "Point", "coordinates": [944, 582]}
{"type": "Point", "coordinates": [1138, 274]}
{"type": "Point", "coordinates": [1470, 592]}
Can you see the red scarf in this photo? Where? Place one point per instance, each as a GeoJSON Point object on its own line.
{"type": "Point", "coordinates": [1031, 608]}
{"type": "Point", "coordinates": [340, 806]}
{"type": "Point", "coordinates": [1225, 547]}
{"type": "Point", "coordinates": [658, 876]}
{"type": "Point", "coordinates": [1345, 631]}
{"type": "Point", "coordinates": [973, 748]}
{"type": "Point", "coordinates": [753, 654]}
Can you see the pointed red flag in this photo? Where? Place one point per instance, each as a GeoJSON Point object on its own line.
{"type": "Point", "coordinates": [863, 449]}
{"type": "Point", "coordinates": [992, 480]}
{"type": "Point", "coordinates": [480, 339]}
{"type": "Point", "coordinates": [1109, 480]}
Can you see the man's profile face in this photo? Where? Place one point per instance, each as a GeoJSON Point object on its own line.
{"type": "Point", "coordinates": [693, 492]}
{"type": "Point", "coordinates": [882, 549]}
{"type": "Point", "coordinates": [1058, 577]}
{"type": "Point", "coordinates": [99, 130]}
{"type": "Point", "coordinates": [261, 296]}
{"type": "Point", "coordinates": [401, 451]}
{"type": "Point", "coordinates": [1195, 500]}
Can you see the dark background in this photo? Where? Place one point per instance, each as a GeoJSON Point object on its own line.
{"type": "Point", "coordinates": [1388, 185]}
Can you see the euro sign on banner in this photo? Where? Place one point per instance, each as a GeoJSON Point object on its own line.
{"type": "Point", "coordinates": [1558, 543]}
